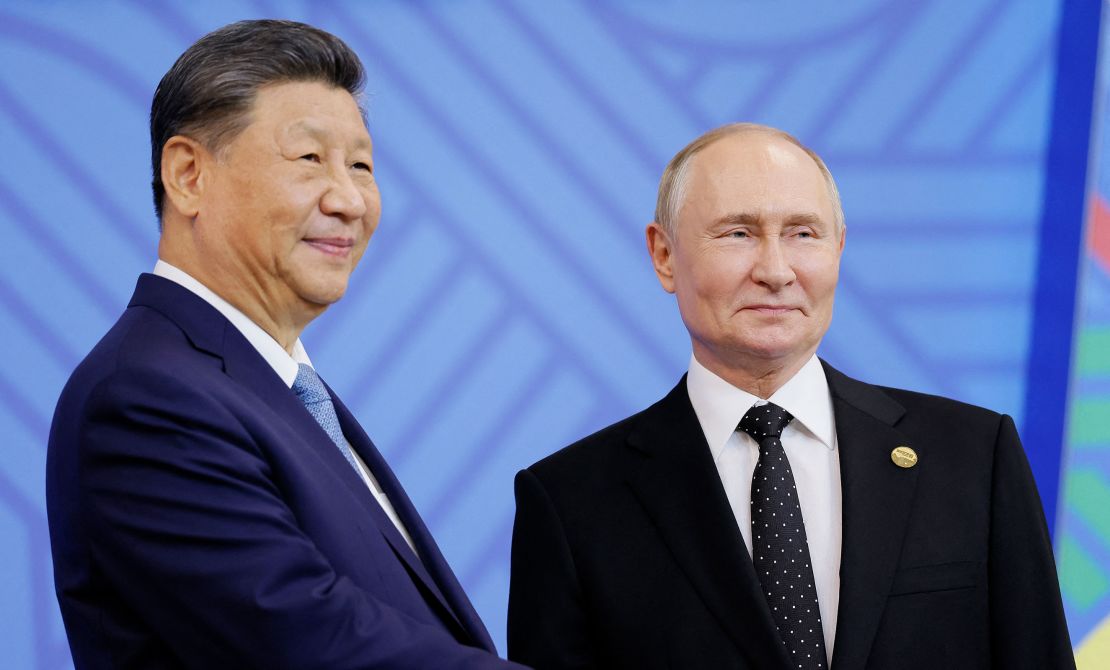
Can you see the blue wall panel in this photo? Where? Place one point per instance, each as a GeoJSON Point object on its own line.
{"type": "Point", "coordinates": [506, 305]}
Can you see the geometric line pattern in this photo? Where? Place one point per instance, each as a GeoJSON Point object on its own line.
{"type": "Point", "coordinates": [518, 147]}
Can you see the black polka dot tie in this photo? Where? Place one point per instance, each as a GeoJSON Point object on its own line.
{"type": "Point", "coordinates": [780, 550]}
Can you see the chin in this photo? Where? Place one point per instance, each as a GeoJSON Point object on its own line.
{"type": "Point", "coordinates": [770, 350]}
{"type": "Point", "coordinates": [324, 295]}
{"type": "Point", "coordinates": [320, 286]}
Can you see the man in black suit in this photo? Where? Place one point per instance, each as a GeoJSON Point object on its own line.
{"type": "Point", "coordinates": [771, 512]}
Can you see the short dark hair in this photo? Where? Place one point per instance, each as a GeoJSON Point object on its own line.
{"type": "Point", "coordinates": [208, 92]}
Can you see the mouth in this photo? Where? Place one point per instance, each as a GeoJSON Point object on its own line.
{"type": "Point", "coordinates": [770, 310]}
{"type": "Point", "coordinates": [339, 247]}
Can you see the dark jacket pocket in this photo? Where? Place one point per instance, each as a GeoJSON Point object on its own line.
{"type": "Point", "coordinates": [940, 577]}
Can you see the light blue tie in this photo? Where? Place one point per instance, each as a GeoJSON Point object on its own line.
{"type": "Point", "coordinates": [312, 393]}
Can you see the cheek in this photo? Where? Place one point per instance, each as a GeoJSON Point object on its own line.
{"type": "Point", "coordinates": [708, 298]}
{"type": "Point", "coordinates": [710, 279]}
{"type": "Point", "coordinates": [373, 198]}
{"type": "Point", "coordinates": [372, 218]}
{"type": "Point", "coordinates": [830, 277]}
{"type": "Point", "coordinates": [359, 250]}
{"type": "Point", "coordinates": [721, 278]}
{"type": "Point", "coordinates": [820, 275]}
{"type": "Point", "coordinates": [369, 226]}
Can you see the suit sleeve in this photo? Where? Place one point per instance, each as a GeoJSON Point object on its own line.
{"type": "Point", "coordinates": [1028, 628]}
{"type": "Point", "coordinates": [191, 529]}
{"type": "Point", "coordinates": [548, 626]}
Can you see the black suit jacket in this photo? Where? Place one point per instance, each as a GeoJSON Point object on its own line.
{"type": "Point", "coordinates": [627, 555]}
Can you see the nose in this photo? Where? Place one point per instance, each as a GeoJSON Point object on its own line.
{"type": "Point", "coordinates": [772, 267]}
{"type": "Point", "coordinates": [343, 198]}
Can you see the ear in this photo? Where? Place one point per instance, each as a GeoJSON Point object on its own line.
{"type": "Point", "coordinates": [661, 248]}
{"type": "Point", "coordinates": [183, 163]}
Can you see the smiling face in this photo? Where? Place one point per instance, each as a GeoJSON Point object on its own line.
{"type": "Point", "coordinates": [754, 257]}
{"type": "Point", "coordinates": [289, 205]}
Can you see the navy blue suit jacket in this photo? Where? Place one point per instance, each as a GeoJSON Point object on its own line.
{"type": "Point", "coordinates": [200, 517]}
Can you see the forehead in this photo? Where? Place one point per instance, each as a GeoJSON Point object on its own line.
{"type": "Point", "coordinates": [312, 109]}
{"type": "Point", "coordinates": [756, 172]}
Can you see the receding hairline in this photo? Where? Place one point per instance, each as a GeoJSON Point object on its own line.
{"type": "Point", "coordinates": [309, 126]}
{"type": "Point", "coordinates": [675, 180]}
{"type": "Point", "coordinates": [217, 135]}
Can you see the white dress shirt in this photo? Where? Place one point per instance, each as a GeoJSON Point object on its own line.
{"type": "Point", "coordinates": [284, 364]}
{"type": "Point", "coordinates": [810, 444]}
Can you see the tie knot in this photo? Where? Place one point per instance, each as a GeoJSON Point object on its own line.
{"type": "Point", "coordinates": [308, 387]}
{"type": "Point", "coordinates": [763, 421]}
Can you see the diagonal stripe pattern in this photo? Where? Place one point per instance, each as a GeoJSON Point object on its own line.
{"type": "Point", "coordinates": [310, 390]}
{"type": "Point", "coordinates": [897, 100]}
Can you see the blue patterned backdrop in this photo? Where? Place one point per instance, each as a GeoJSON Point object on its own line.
{"type": "Point", "coordinates": [506, 305]}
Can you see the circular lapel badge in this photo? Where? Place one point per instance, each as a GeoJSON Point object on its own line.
{"type": "Point", "coordinates": [904, 457]}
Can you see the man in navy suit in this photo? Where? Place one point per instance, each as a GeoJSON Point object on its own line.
{"type": "Point", "coordinates": [212, 504]}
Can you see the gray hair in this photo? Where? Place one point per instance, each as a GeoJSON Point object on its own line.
{"type": "Point", "coordinates": [209, 91]}
{"type": "Point", "coordinates": [675, 180]}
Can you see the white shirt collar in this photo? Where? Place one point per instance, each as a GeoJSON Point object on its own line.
{"type": "Point", "coordinates": [719, 405]}
{"type": "Point", "coordinates": [274, 354]}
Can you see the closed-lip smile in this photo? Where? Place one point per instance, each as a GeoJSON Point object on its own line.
{"type": "Point", "coordinates": [334, 246]}
{"type": "Point", "coordinates": [770, 310]}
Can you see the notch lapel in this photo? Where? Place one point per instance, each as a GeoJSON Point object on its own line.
{"type": "Point", "coordinates": [211, 332]}
{"type": "Point", "coordinates": [679, 487]}
{"type": "Point", "coordinates": [243, 364]}
{"type": "Point", "coordinates": [877, 499]}
{"type": "Point", "coordinates": [247, 367]}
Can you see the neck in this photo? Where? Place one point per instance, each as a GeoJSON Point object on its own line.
{"type": "Point", "coordinates": [268, 312]}
{"type": "Point", "coordinates": [759, 377]}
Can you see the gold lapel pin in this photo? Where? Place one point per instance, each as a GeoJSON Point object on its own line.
{"type": "Point", "coordinates": [904, 457]}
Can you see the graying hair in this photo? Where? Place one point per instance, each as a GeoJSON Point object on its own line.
{"type": "Point", "coordinates": [675, 180]}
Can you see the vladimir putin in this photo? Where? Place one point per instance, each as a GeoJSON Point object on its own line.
{"type": "Point", "coordinates": [770, 512]}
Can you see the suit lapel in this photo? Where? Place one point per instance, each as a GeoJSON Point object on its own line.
{"type": "Point", "coordinates": [243, 364]}
{"type": "Point", "coordinates": [679, 487]}
{"type": "Point", "coordinates": [209, 331]}
{"type": "Point", "coordinates": [433, 571]}
{"type": "Point", "coordinates": [877, 498]}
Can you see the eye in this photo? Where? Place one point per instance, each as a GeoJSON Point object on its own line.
{"type": "Point", "coordinates": [739, 234]}
{"type": "Point", "coordinates": [800, 232]}
{"type": "Point", "coordinates": [362, 166]}
{"type": "Point", "coordinates": [315, 158]}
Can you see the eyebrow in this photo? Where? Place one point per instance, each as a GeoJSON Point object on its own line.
{"type": "Point", "coordinates": [750, 219]}
{"type": "Point", "coordinates": [320, 133]}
